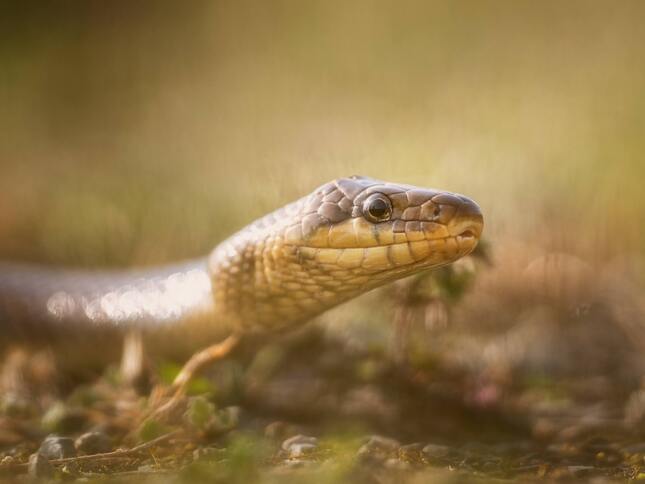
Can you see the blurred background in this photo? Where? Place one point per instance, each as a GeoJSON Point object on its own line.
{"type": "Point", "coordinates": [139, 133]}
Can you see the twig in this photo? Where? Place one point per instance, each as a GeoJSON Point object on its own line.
{"type": "Point", "coordinates": [119, 452]}
{"type": "Point", "coordinates": [203, 358]}
{"type": "Point", "coordinates": [104, 455]}
{"type": "Point", "coordinates": [196, 362]}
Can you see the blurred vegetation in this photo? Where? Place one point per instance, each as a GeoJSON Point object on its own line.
{"type": "Point", "coordinates": [135, 133]}
{"type": "Point", "coordinates": [138, 133]}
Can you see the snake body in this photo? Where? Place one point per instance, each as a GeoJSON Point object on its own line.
{"type": "Point", "coordinates": [348, 236]}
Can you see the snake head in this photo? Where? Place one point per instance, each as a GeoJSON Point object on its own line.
{"type": "Point", "coordinates": [348, 236]}
{"type": "Point", "coordinates": [365, 227]}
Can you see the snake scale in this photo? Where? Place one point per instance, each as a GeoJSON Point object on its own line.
{"type": "Point", "coordinates": [348, 236]}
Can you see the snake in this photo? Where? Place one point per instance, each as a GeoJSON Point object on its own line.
{"type": "Point", "coordinates": [347, 237]}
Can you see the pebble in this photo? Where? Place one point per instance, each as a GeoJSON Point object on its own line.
{"type": "Point", "coordinates": [55, 447]}
{"type": "Point", "coordinates": [293, 464]}
{"type": "Point", "coordinates": [207, 453]}
{"type": "Point", "coordinates": [39, 467]}
{"type": "Point", "coordinates": [411, 449]}
{"type": "Point", "coordinates": [94, 443]}
{"type": "Point", "coordinates": [382, 443]}
{"type": "Point", "coordinates": [396, 464]}
{"type": "Point", "coordinates": [69, 471]}
{"type": "Point", "coordinates": [378, 447]}
{"type": "Point", "coordinates": [299, 445]}
{"type": "Point", "coordinates": [436, 451]}
{"type": "Point", "coordinates": [580, 471]}
{"type": "Point", "coordinates": [635, 449]}
{"type": "Point", "coordinates": [298, 450]}
{"type": "Point", "coordinates": [289, 466]}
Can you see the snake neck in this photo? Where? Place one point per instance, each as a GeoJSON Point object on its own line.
{"type": "Point", "coordinates": [261, 283]}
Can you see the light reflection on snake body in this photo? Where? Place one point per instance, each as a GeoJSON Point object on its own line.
{"type": "Point", "coordinates": [345, 238]}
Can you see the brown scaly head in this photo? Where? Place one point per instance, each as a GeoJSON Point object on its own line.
{"type": "Point", "coordinates": [347, 237]}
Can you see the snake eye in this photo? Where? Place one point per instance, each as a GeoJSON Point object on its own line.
{"type": "Point", "coordinates": [377, 208]}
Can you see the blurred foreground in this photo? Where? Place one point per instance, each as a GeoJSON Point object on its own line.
{"type": "Point", "coordinates": [137, 135]}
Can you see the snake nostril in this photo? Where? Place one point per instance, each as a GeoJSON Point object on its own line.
{"type": "Point", "coordinates": [469, 233]}
{"type": "Point", "coordinates": [437, 211]}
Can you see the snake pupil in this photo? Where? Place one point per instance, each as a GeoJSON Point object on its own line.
{"type": "Point", "coordinates": [378, 209]}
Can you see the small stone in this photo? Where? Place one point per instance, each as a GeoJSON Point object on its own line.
{"type": "Point", "coordinates": [207, 453]}
{"type": "Point", "coordinates": [55, 447]}
{"type": "Point", "coordinates": [300, 445]}
{"type": "Point", "coordinates": [635, 449]}
{"type": "Point", "coordinates": [293, 464]}
{"type": "Point", "coordinates": [435, 451]}
{"type": "Point", "coordinates": [69, 471]}
{"type": "Point", "coordinates": [378, 447]}
{"type": "Point", "coordinates": [299, 439]}
{"type": "Point", "coordinates": [564, 449]}
{"type": "Point", "coordinates": [94, 443]}
{"type": "Point", "coordinates": [580, 471]}
{"type": "Point", "coordinates": [411, 449]}
{"type": "Point", "coordinates": [396, 464]}
{"type": "Point", "coordinates": [290, 465]}
{"type": "Point", "coordinates": [382, 443]}
{"type": "Point", "coordinates": [39, 466]}
{"type": "Point", "coordinates": [298, 450]}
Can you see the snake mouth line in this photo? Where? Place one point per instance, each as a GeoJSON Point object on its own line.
{"type": "Point", "coordinates": [467, 235]}
{"type": "Point", "coordinates": [425, 253]}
